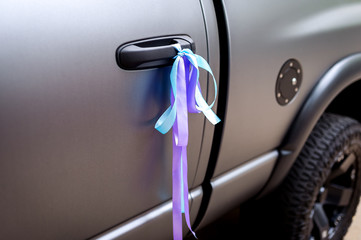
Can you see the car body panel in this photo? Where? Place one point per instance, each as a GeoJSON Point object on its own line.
{"type": "Point", "coordinates": [79, 152]}
{"type": "Point", "coordinates": [155, 223]}
{"type": "Point", "coordinates": [340, 76]}
{"type": "Point", "coordinates": [80, 157]}
{"type": "Point", "coordinates": [214, 61]}
{"type": "Point", "coordinates": [263, 35]}
{"type": "Point", "coordinates": [238, 185]}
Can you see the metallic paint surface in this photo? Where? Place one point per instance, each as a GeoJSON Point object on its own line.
{"type": "Point", "coordinates": [79, 152]}
{"type": "Point", "coordinates": [213, 60]}
{"type": "Point", "coordinates": [155, 223]}
{"type": "Point", "coordinates": [338, 77]}
{"type": "Point", "coordinates": [263, 35]}
{"type": "Point", "coordinates": [238, 185]}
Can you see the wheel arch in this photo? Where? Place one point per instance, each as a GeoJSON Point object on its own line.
{"type": "Point", "coordinates": [335, 90]}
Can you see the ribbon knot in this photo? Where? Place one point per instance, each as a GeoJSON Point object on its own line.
{"type": "Point", "coordinates": [186, 96]}
{"type": "Point", "coordinates": [179, 54]}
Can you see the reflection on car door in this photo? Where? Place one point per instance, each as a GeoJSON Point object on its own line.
{"type": "Point", "coordinates": [79, 152]}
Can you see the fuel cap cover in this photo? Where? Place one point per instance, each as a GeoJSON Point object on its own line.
{"type": "Point", "coordinates": [288, 81]}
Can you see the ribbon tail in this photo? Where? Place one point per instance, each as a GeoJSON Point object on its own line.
{"type": "Point", "coordinates": [185, 208]}
{"type": "Point", "coordinates": [207, 111]}
{"type": "Point", "coordinates": [177, 184]}
{"type": "Point", "coordinates": [181, 121]}
{"type": "Point", "coordinates": [180, 191]}
{"type": "Point", "coordinates": [166, 121]}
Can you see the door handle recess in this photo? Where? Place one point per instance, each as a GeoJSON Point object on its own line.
{"type": "Point", "coordinates": [151, 53]}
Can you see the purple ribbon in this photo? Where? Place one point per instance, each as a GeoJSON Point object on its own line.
{"type": "Point", "coordinates": [185, 97]}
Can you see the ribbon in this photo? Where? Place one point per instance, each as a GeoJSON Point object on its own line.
{"type": "Point", "coordinates": [186, 96]}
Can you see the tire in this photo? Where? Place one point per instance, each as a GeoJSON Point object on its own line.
{"type": "Point", "coordinates": [321, 193]}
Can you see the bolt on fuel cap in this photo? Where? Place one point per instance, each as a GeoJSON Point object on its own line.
{"type": "Point", "coordinates": [288, 81]}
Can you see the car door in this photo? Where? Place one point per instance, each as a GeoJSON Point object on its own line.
{"type": "Point", "coordinates": [79, 152]}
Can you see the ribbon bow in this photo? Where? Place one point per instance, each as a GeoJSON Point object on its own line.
{"type": "Point", "coordinates": [185, 97]}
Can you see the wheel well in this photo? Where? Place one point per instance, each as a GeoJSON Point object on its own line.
{"type": "Point", "coordinates": [326, 95]}
{"type": "Point", "coordinates": [347, 101]}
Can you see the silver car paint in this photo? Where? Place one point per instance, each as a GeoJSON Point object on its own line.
{"type": "Point", "coordinates": [340, 76]}
{"type": "Point", "coordinates": [155, 224]}
{"type": "Point", "coordinates": [79, 152]}
{"type": "Point", "coordinates": [263, 35]}
{"type": "Point", "coordinates": [229, 189]}
{"type": "Point", "coordinates": [237, 185]}
{"type": "Point", "coordinates": [65, 130]}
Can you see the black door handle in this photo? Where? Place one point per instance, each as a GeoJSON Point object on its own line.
{"type": "Point", "coordinates": [151, 53]}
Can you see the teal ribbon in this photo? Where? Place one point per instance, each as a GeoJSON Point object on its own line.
{"type": "Point", "coordinates": [186, 96]}
{"type": "Point", "coordinates": [167, 119]}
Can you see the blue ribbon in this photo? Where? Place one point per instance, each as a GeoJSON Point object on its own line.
{"type": "Point", "coordinates": [166, 121]}
{"type": "Point", "coordinates": [185, 97]}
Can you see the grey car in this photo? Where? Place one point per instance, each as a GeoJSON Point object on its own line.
{"type": "Point", "coordinates": [79, 155]}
